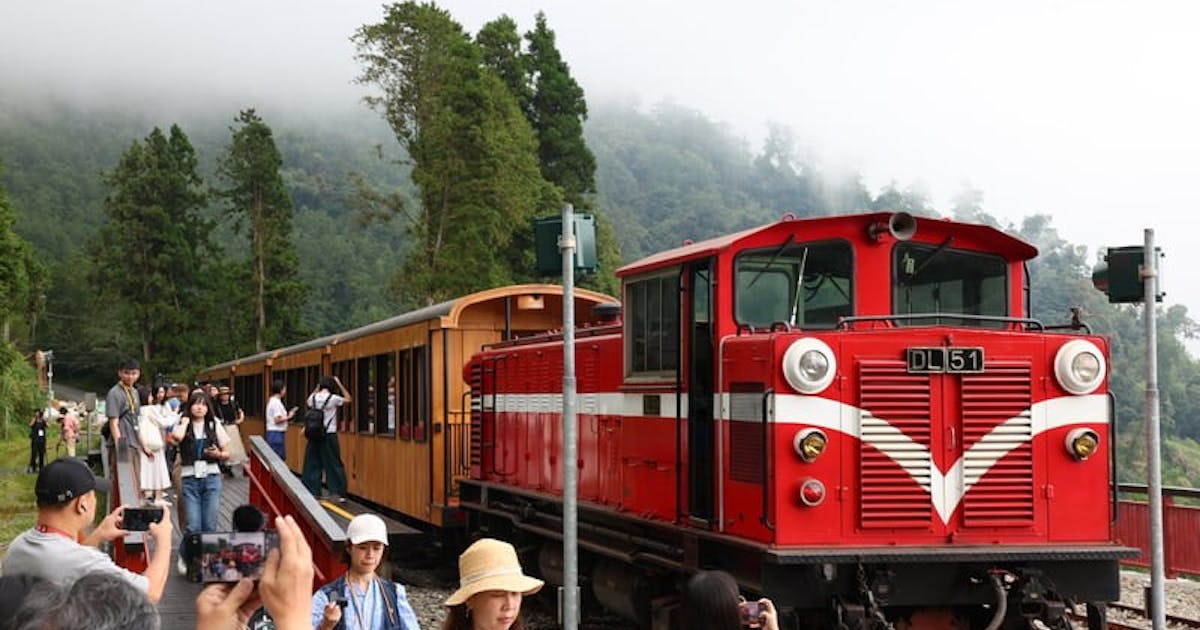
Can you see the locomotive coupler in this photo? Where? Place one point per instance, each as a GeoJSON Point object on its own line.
{"type": "Point", "coordinates": [1037, 600]}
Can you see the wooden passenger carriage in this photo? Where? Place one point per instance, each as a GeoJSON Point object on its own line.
{"type": "Point", "coordinates": [404, 436]}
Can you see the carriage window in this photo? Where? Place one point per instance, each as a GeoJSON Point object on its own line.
{"type": "Point", "coordinates": [937, 279]}
{"type": "Point", "coordinates": [364, 393]}
{"type": "Point", "coordinates": [248, 391]}
{"type": "Point", "coordinates": [653, 325]}
{"type": "Point", "coordinates": [806, 285]}
{"type": "Point", "coordinates": [344, 370]}
{"type": "Point", "coordinates": [385, 381]}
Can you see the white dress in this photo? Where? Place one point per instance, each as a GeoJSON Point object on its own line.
{"type": "Point", "coordinates": [154, 474]}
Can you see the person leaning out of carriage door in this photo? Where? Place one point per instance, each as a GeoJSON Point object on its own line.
{"type": "Point", "coordinates": [230, 415]}
{"type": "Point", "coordinates": [322, 455]}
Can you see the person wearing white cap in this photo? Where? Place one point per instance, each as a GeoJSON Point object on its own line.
{"type": "Point", "coordinates": [491, 586]}
{"type": "Point", "coordinates": [360, 599]}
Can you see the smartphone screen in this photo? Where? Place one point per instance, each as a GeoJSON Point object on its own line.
{"type": "Point", "coordinates": [750, 613]}
{"type": "Point", "coordinates": [138, 519]}
{"type": "Point", "coordinates": [228, 556]}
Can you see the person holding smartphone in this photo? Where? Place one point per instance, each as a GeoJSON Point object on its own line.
{"type": "Point", "coordinates": [711, 600]}
{"type": "Point", "coordinates": [361, 599]}
{"type": "Point", "coordinates": [203, 445]}
{"type": "Point", "coordinates": [277, 419]}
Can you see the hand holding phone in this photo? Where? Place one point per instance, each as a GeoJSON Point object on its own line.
{"type": "Point", "coordinates": [751, 613]}
{"type": "Point", "coordinates": [138, 519]}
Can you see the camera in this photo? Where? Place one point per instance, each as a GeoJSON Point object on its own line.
{"type": "Point", "coordinates": [750, 612]}
{"type": "Point", "coordinates": [337, 597]}
{"type": "Point", "coordinates": [138, 519]}
{"type": "Point", "coordinates": [228, 556]}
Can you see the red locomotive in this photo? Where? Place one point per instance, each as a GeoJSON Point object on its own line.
{"type": "Point", "coordinates": [856, 416]}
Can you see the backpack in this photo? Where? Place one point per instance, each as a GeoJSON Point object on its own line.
{"type": "Point", "coordinates": [314, 420]}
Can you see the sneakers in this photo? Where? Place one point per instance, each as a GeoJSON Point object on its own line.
{"type": "Point", "coordinates": [181, 566]}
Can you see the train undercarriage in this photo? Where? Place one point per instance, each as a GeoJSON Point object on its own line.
{"type": "Point", "coordinates": [635, 568]}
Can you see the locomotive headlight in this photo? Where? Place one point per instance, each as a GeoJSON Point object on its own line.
{"type": "Point", "coordinates": [809, 444]}
{"type": "Point", "coordinates": [809, 365]}
{"type": "Point", "coordinates": [1081, 443]}
{"type": "Point", "coordinates": [1079, 366]}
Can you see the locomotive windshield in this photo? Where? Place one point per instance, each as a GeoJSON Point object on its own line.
{"type": "Point", "coordinates": [807, 285]}
{"type": "Point", "coordinates": [938, 279]}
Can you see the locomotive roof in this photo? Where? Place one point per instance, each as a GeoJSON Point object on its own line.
{"type": "Point", "coordinates": [448, 312]}
{"type": "Point", "coordinates": [826, 227]}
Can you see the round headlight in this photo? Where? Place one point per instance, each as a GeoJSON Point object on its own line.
{"type": "Point", "coordinates": [1079, 366]}
{"type": "Point", "coordinates": [1081, 443]}
{"type": "Point", "coordinates": [809, 365]}
{"type": "Point", "coordinates": [809, 444]}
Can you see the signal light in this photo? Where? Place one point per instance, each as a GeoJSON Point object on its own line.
{"type": "Point", "coordinates": [1120, 275]}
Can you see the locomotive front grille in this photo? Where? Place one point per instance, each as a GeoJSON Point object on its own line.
{"type": "Point", "coordinates": [907, 418]}
{"type": "Point", "coordinates": [894, 459]}
{"type": "Point", "coordinates": [997, 434]}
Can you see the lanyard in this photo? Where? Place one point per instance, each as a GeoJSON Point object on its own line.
{"type": "Point", "coordinates": [358, 612]}
{"type": "Point", "coordinates": [49, 529]}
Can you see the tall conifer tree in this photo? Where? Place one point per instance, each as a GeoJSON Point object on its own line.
{"type": "Point", "coordinates": [259, 204]}
{"type": "Point", "coordinates": [154, 250]}
{"type": "Point", "coordinates": [474, 155]}
{"type": "Point", "coordinates": [22, 275]}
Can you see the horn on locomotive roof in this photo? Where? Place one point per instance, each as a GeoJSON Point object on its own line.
{"type": "Point", "coordinates": [901, 225]}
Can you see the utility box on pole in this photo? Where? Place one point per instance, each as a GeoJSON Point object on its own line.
{"type": "Point", "coordinates": [546, 232]}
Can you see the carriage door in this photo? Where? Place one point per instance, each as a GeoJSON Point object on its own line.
{"type": "Point", "coordinates": [699, 340]}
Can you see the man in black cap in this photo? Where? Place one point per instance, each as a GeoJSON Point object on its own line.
{"type": "Point", "coordinates": [56, 548]}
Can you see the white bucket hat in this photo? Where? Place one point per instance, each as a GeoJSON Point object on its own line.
{"type": "Point", "coordinates": [491, 565]}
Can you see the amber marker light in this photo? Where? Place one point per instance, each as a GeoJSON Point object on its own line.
{"type": "Point", "coordinates": [809, 444]}
{"type": "Point", "coordinates": [1082, 443]}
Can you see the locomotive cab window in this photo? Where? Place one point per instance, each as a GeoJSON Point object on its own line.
{"type": "Point", "coordinates": [808, 285]}
{"type": "Point", "coordinates": [652, 342]}
{"type": "Point", "coordinates": [938, 279]}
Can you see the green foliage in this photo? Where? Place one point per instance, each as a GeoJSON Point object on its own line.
{"type": "Point", "coordinates": [259, 204]}
{"type": "Point", "coordinates": [153, 255]}
{"type": "Point", "coordinates": [20, 396]}
{"type": "Point", "coordinates": [473, 153]}
{"type": "Point", "coordinates": [22, 276]}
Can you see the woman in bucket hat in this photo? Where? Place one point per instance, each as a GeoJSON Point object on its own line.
{"type": "Point", "coordinates": [360, 599]}
{"type": "Point", "coordinates": [491, 585]}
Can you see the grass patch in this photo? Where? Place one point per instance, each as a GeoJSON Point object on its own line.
{"type": "Point", "coordinates": [17, 508]}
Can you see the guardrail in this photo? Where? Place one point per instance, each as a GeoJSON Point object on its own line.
{"type": "Point", "coordinates": [129, 551]}
{"type": "Point", "coordinates": [277, 492]}
{"type": "Point", "coordinates": [1181, 529]}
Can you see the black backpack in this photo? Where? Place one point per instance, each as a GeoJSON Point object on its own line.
{"type": "Point", "coordinates": [314, 420]}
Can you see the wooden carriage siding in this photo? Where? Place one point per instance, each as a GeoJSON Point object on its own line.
{"type": "Point", "coordinates": [412, 466]}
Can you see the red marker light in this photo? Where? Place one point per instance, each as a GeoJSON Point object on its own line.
{"type": "Point", "coordinates": [812, 492]}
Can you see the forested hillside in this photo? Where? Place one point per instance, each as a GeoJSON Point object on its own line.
{"type": "Point", "coordinates": [662, 175]}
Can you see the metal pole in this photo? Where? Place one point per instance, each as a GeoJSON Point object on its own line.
{"type": "Point", "coordinates": [570, 597]}
{"type": "Point", "coordinates": [1158, 610]}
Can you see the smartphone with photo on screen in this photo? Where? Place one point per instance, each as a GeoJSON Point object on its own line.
{"type": "Point", "coordinates": [228, 556]}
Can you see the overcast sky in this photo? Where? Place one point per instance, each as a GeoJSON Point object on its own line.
{"type": "Point", "coordinates": [1088, 110]}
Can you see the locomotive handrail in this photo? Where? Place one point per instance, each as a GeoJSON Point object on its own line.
{"type": "Point", "coordinates": [1033, 323]}
{"type": "Point", "coordinates": [1167, 491]}
{"type": "Point", "coordinates": [1112, 455]}
{"type": "Point", "coordinates": [765, 519]}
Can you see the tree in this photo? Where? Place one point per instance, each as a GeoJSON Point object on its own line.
{"type": "Point", "coordinates": [473, 153]}
{"type": "Point", "coordinates": [153, 252]}
{"type": "Point", "coordinates": [22, 275]}
{"type": "Point", "coordinates": [500, 44]}
{"type": "Point", "coordinates": [260, 205]}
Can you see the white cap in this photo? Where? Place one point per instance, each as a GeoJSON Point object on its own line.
{"type": "Point", "coordinates": [367, 527]}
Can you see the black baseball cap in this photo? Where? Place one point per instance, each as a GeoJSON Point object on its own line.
{"type": "Point", "coordinates": [67, 478]}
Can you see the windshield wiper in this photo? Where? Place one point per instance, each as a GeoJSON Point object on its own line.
{"type": "Point", "coordinates": [912, 278]}
{"type": "Point", "coordinates": [771, 261]}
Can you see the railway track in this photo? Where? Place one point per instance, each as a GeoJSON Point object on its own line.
{"type": "Point", "coordinates": [1138, 620]}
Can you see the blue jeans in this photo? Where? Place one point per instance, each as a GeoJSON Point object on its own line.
{"type": "Point", "coordinates": [202, 502]}
{"type": "Point", "coordinates": [277, 441]}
